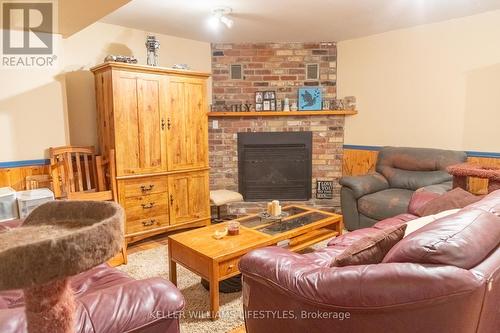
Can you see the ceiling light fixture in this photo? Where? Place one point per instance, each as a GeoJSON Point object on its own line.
{"type": "Point", "coordinates": [220, 15]}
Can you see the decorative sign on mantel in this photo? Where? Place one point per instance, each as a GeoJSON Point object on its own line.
{"type": "Point", "coordinates": [324, 189]}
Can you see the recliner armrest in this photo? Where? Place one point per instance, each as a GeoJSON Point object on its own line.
{"type": "Point", "coordinates": [363, 185]}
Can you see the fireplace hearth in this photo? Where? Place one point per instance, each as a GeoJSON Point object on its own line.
{"type": "Point", "coordinates": [275, 165]}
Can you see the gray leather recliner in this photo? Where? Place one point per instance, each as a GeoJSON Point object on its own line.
{"type": "Point", "coordinates": [400, 171]}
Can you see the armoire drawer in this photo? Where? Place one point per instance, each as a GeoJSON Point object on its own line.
{"type": "Point", "coordinates": [144, 186]}
{"type": "Point", "coordinates": [144, 206]}
{"type": "Point", "coordinates": [146, 224]}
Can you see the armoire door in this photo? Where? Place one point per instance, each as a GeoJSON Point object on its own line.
{"type": "Point", "coordinates": [188, 124]}
{"type": "Point", "coordinates": [140, 122]}
{"type": "Point", "coordinates": [188, 197]}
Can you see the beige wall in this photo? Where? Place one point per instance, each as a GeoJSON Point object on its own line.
{"type": "Point", "coordinates": [435, 85]}
{"type": "Point", "coordinates": [32, 112]}
{"type": "Point", "coordinates": [52, 107]}
{"type": "Point", "coordinates": [74, 15]}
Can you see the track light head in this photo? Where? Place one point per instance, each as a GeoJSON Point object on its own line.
{"type": "Point", "coordinates": [221, 15]}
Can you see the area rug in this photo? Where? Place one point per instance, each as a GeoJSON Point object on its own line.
{"type": "Point", "coordinates": [154, 263]}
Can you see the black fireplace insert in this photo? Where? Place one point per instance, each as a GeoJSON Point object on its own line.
{"type": "Point", "coordinates": [275, 165]}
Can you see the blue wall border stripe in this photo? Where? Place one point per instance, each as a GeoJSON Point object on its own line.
{"type": "Point", "coordinates": [17, 164]}
{"type": "Point", "coordinates": [469, 153]}
{"type": "Point", "coordinates": [356, 147]}
{"type": "Point", "coordinates": [482, 154]}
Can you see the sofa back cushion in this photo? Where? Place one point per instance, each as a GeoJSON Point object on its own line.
{"type": "Point", "coordinates": [462, 239]}
{"type": "Point", "coordinates": [370, 249]}
{"type": "Point", "coordinates": [456, 198]}
{"type": "Point", "coordinates": [413, 168]}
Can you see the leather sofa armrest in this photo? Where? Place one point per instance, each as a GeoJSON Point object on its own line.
{"type": "Point", "coordinates": [364, 286]}
{"type": "Point", "coordinates": [133, 305]}
{"type": "Point", "coordinates": [363, 185]}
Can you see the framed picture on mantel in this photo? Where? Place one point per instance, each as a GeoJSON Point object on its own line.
{"type": "Point", "coordinates": [265, 101]}
{"type": "Point", "coordinates": [310, 99]}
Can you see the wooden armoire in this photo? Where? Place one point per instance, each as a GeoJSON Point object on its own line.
{"type": "Point", "coordinates": [156, 121]}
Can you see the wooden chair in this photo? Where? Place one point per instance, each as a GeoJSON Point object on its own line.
{"type": "Point", "coordinates": [79, 174]}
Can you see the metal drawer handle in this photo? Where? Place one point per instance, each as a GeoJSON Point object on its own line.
{"type": "Point", "coordinates": [145, 188]}
{"type": "Point", "coordinates": [148, 223]}
{"type": "Point", "coordinates": [148, 206]}
{"type": "Point", "coordinates": [171, 199]}
{"type": "Point", "coordinates": [230, 267]}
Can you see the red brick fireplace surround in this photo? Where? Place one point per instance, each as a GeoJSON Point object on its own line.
{"type": "Point", "coordinates": [328, 137]}
{"type": "Point", "coordinates": [279, 67]}
{"type": "Point", "coordinates": [270, 66]}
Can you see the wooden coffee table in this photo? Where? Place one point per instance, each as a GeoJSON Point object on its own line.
{"type": "Point", "coordinates": [216, 260]}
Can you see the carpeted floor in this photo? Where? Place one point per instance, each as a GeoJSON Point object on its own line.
{"type": "Point", "coordinates": [153, 263]}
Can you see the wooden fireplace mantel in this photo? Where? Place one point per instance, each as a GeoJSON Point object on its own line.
{"type": "Point", "coordinates": [281, 113]}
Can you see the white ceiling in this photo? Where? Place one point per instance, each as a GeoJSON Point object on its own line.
{"type": "Point", "coordinates": [290, 20]}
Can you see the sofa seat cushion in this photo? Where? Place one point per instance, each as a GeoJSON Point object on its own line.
{"type": "Point", "coordinates": [385, 204]}
{"type": "Point", "coordinates": [456, 198]}
{"type": "Point", "coordinates": [462, 239]}
{"type": "Point", "coordinates": [421, 222]}
{"type": "Point", "coordinates": [370, 249]}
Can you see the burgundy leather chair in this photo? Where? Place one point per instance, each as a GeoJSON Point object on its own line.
{"type": "Point", "coordinates": [108, 301]}
{"type": "Point", "coordinates": [444, 277]}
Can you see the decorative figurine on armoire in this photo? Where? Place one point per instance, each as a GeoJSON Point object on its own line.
{"type": "Point", "coordinates": [152, 46]}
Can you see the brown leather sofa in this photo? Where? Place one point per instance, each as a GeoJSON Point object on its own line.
{"type": "Point", "coordinates": [400, 171]}
{"type": "Point", "coordinates": [108, 301]}
{"type": "Point", "coordinates": [444, 277]}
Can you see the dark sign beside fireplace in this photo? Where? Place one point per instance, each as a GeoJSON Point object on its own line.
{"type": "Point", "coordinates": [324, 189]}
{"type": "Point", "coordinates": [275, 165]}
